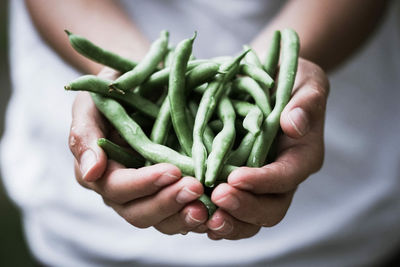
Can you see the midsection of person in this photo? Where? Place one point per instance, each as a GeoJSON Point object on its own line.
{"type": "Point", "coordinates": [68, 225]}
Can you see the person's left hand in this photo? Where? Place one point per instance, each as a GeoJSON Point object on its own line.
{"type": "Point", "coordinates": [260, 197]}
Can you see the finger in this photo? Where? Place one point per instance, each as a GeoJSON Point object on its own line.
{"type": "Point", "coordinates": [189, 218]}
{"type": "Point", "coordinates": [86, 128]}
{"type": "Point", "coordinates": [306, 108]}
{"type": "Point", "coordinates": [151, 210]}
{"type": "Point", "coordinates": [261, 210]}
{"type": "Point", "coordinates": [292, 166]}
{"type": "Point", "coordinates": [224, 226]}
{"type": "Point", "coordinates": [121, 185]}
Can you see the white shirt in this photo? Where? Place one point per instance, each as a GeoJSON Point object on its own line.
{"type": "Point", "coordinates": [345, 215]}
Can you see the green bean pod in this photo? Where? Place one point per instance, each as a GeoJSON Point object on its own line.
{"type": "Point", "coordinates": [88, 49]}
{"type": "Point", "coordinates": [286, 78]}
{"type": "Point", "coordinates": [208, 133]}
{"type": "Point", "coordinates": [240, 155]}
{"type": "Point", "coordinates": [162, 125]}
{"type": "Point", "coordinates": [223, 141]}
{"type": "Point", "coordinates": [169, 56]}
{"type": "Point", "coordinates": [145, 68]}
{"type": "Point", "coordinates": [211, 208]}
{"type": "Point", "coordinates": [253, 116]}
{"type": "Point", "coordinates": [177, 94]}
{"type": "Point", "coordinates": [95, 84]}
{"type": "Point", "coordinates": [160, 78]}
{"type": "Point", "coordinates": [251, 87]}
{"type": "Point", "coordinates": [257, 74]}
{"type": "Point", "coordinates": [206, 109]}
{"type": "Point", "coordinates": [119, 154]}
{"type": "Point", "coordinates": [137, 139]}
{"type": "Point", "coordinates": [272, 57]}
{"type": "Point", "coordinates": [252, 57]}
{"type": "Point", "coordinates": [201, 74]}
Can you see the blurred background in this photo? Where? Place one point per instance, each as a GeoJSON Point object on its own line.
{"type": "Point", "coordinates": [13, 251]}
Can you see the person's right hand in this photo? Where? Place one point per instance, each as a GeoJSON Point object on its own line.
{"type": "Point", "coordinates": [149, 196]}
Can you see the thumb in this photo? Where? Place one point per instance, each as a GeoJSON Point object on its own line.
{"type": "Point", "coordinates": [86, 128]}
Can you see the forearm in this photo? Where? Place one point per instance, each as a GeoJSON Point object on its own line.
{"type": "Point", "coordinates": [102, 21]}
{"type": "Point", "coordinates": [330, 31]}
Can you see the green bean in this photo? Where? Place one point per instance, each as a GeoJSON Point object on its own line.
{"type": "Point", "coordinates": [208, 136]}
{"type": "Point", "coordinates": [177, 95]}
{"type": "Point", "coordinates": [253, 116]}
{"type": "Point", "coordinates": [201, 74]}
{"type": "Point", "coordinates": [252, 57]}
{"type": "Point", "coordinates": [162, 125]}
{"type": "Point", "coordinates": [136, 138]}
{"type": "Point", "coordinates": [272, 56]}
{"type": "Point", "coordinates": [98, 54]}
{"type": "Point", "coordinates": [257, 74]}
{"type": "Point", "coordinates": [119, 154]}
{"type": "Point", "coordinates": [286, 78]}
{"type": "Point", "coordinates": [223, 141]}
{"type": "Point", "coordinates": [161, 77]}
{"type": "Point", "coordinates": [169, 56]}
{"type": "Point", "coordinates": [248, 85]}
{"type": "Point", "coordinates": [208, 102]}
{"type": "Point", "coordinates": [240, 155]}
{"type": "Point", "coordinates": [206, 200]}
{"type": "Point", "coordinates": [95, 84]}
{"type": "Point", "coordinates": [143, 121]}
{"type": "Point", "coordinates": [145, 68]}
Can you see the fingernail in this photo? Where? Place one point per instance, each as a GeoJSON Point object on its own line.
{"type": "Point", "coordinates": [166, 179]}
{"type": "Point", "coordinates": [228, 202]}
{"type": "Point", "coordinates": [87, 161]}
{"type": "Point", "coordinates": [186, 195]}
{"type": "Point", "coordinates": [243, 186]}
{"type": "Point", "coordinates": [191, 221]}
{"type": "Point", "coordinates": [224, 228]}
{"type": "Point", "coordinates": [298, 119]}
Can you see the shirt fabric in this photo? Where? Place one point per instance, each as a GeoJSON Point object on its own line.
{"type": "Point", "coordinates": [345, 215]}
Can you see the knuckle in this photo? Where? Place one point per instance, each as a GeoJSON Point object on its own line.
{"type": "Point", "coordinates": [138, 222]}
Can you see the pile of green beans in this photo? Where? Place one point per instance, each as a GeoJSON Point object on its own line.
{"type": "Point", "coordinates": [206, 116]}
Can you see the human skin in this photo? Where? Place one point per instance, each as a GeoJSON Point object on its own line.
{"type": "Point", "coordinates": [253, 197]}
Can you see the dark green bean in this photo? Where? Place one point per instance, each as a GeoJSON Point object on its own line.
{"type": "Point", "coordinates": [120, 154]}
{"type": "Point", "coordinates": [145, 68]}
{"type": "Point", "coordinates": [95, 84]}
{"type": "Point", "coordinates": [286, 78]}
{"type": "Point", "coordinates": [88, 49]}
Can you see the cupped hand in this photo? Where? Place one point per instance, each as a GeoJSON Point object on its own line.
{"type": "Point", "coordinates": [150, 196]}
{"type": "Point", "coordinates": [260, 197]}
